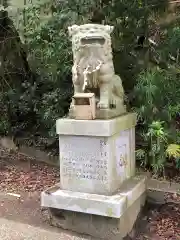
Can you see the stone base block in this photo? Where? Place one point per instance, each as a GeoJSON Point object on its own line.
{"type": "Point", "coordinates": [104, 113]}
{"type": "Point", "coordinates": [96, 156]}
{"type": "Point", "coordinates": [95, 128]}
{"type": "Point", "coordinates": [105, 217]}
{"type": "Point", "coordinates": [110, 113]}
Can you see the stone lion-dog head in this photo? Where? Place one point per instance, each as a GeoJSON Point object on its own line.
{"type": "Point", "coordinates": [91, 45]}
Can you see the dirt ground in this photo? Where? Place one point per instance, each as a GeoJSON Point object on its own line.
{"type": "Point", "coordinates": [159, 223]}
{"type": "Point", "coordinates": [21, 175]}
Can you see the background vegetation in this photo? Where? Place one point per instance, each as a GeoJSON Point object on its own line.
{"type": "Point", "coordinates": [37, 88]}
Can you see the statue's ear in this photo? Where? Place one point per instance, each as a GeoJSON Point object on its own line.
{"type": "Point", "coordinates": [109, 29]}
{"type": "Point", "coordinates": [73, 29]}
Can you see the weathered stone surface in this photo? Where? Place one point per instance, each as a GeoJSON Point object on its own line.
{"type": "Point", "coordinates": [93, 69]}
{"type": "Point", "coordinates": [98, 193]}
{"type": "Point", "coordinates": [97, 226]}
{"type": "Point", "coordinates": [161, 192]}
{"type": "Point", "coordinates": [97, 164]}
{"type": "Point", "coordinates": [100, 128]}
{"type": "Point", "coordinates": [14, 230]}
{"type": "Point", "coordinates": [103, 113]}
{"type": "Point", "coordinates": [111, 206]}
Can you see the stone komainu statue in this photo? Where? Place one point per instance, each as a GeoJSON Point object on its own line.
{"type": "Point", "coordinates": [93, 69]}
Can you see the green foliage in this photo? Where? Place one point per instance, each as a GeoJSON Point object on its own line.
{"type": "Point", "coordinates": [50, 55]}
{"type": "Point", "coordinates": [169, 49]}
{"type": "Point", "coordinates": [173, 150]}
{"type": "Point", "coordinates": [154, 152]}
{"type": "Point", "coordinates": [156, 94]}
{"type": "Point", "coordinates": [49, 48]}
{"type": "Point", "coordinates": [158, 90]}
{"type": "Point", "coordinates": [34, 102]}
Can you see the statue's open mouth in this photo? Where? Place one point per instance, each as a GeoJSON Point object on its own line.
{"type": "Point", "coordinates": [92, 40]}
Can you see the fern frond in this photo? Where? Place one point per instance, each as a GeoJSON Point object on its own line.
{"type": "Point", "coordinates": [140, 153]}
{"type": "Point", "coordinates": [173, 150]}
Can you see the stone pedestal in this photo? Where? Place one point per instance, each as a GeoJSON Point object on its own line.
{"type": "Point", "coordinates": [104, 113]}
{"type": "Point", "coordinates": [97, 175]}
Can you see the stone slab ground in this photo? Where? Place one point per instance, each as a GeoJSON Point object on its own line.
{"type": "Point", "coordinates": [12, 230]}
{"type": "Point", "coordinates": [21, 219]}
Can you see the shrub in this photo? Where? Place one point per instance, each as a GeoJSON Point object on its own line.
{"type": "Point", "coordinates": [156, 94]}
{"type": "Point", "coordinates": [50, 54]}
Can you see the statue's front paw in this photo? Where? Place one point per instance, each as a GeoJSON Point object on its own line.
{"type": "Point", "coordinates": [103, 105]}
